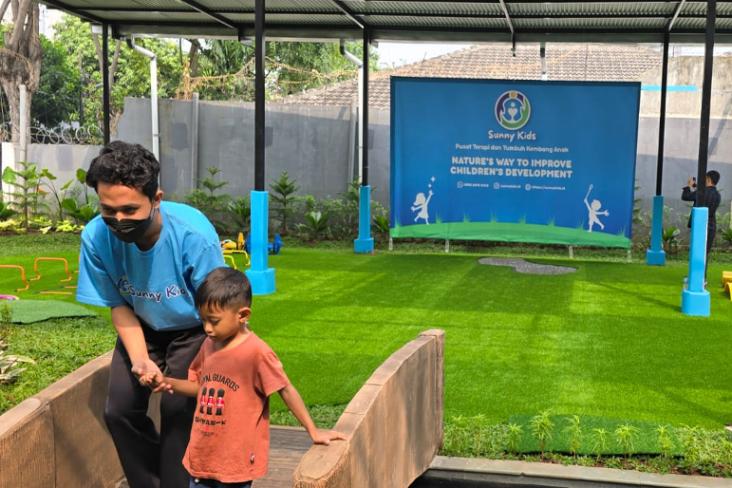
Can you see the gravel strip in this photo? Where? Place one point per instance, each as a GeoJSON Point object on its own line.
{"type": "Point", "coordinates": [525, 267]}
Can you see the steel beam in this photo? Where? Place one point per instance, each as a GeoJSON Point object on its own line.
{"type": "Point", "coordinates": [706, 103]}
{"type": "Point", "coordinates": [210, 13]}
{"type": "Point", "coordinates": [259, 121]}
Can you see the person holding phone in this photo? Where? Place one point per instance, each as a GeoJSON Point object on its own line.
{"type": "Point", "coordinates": [711, 201]}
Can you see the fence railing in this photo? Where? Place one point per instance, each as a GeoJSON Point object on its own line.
{"type": "Point", "coordinates": [62, 134]}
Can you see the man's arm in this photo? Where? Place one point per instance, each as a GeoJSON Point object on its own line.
{"type": "Point", "coordinates": [688, 195]}
{"type": "Point", "coordinates": [294, 402]}
{"type": "Point", "coordinates": [130, 333]}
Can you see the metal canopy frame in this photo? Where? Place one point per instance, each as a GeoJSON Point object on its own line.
{"type": "Point", "coordinates": [707, 21]}
{"type": "Point", "coordinates": [460, 20]}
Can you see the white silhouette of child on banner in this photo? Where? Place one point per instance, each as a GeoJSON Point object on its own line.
{"type": "Point", "coordinates": [421, 204]}
{"type": "Point", "coordinates": [593, 210]}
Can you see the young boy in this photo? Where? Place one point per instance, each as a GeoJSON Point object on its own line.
{"type": "Point", "coordinates": [232, 376]}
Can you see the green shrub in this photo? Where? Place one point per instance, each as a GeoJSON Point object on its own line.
{"type": "Point", "coordinates": [665, 441]}
{"type": "Point", "coordinates": [574, 432]}
{"type": "Point", "coordinates": [240, 212]}
{"type": "Point", "coordinates": [514, 435]}
{"type": "Point", "coordinates": [82, 211]}
{"type": "Point", "coordinates": [541, 428]}
{"type": "Point", "coordinates": [670, 237]}
{"type": "Point", "coordinates": [315, 226]}
{"type": "Point", "coordinates": [27, 197]}
{"type": "Point", "coordinates": [6, 212]}
{"type": "Point", "coordinates": [599, 441]}
{"type": "Point", "coordinates": [283, 191]}
{"type": "Point", "coordinates": [208, 200]}
{"type": "Point", "coordinates": [625, 437]}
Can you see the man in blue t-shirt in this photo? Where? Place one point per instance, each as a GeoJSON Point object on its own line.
{"type": "Point", "coordinates": [145, 258]}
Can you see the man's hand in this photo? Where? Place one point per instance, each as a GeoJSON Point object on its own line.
{"type": "Point", "coordinates": [147, 372]}
{"type": "Point", "coordinates": [692, 182]}
{"type": "Point", "coordinates": [323, 437]}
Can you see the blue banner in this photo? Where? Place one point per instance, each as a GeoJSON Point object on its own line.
{"type": "Point", "coordinates": [524, 161]}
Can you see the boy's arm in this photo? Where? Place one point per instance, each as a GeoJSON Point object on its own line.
{"type": "Point", "coordinates": [294, 402]}
{"type": "Point", "coordinates": [175, 385]}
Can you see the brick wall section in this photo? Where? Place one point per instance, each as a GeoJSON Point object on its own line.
{"type": "Point", "coordinates": [394, 424]}
{"type": "Point", "coordinates": [57, 438]}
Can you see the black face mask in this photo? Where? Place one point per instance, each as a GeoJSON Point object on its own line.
{"type": "Point", "coordinates": [129, 230]}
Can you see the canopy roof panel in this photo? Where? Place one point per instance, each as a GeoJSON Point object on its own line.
{"type": "Point", "coordinates": [486, 20]}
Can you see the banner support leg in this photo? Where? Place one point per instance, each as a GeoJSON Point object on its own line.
{"type": "Point", "coordinates": [656, 256]}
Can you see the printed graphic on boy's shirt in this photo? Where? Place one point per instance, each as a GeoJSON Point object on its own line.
{"type": "Point", "coordinates": [211, 403]}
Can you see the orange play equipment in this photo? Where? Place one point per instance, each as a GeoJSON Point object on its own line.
{"type": "Point", "coordinates": [22, 274]}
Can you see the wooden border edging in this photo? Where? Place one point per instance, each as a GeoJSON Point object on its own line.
{"type": "Point", "coordinates": [57, 438]}
{"type": "Point", "coordinates": [394, 424]}
{"type": "Point", "coordinates": [448, 471]}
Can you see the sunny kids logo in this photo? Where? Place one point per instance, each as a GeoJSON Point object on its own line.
{"type": "Point", "coordinates": [513, 110]}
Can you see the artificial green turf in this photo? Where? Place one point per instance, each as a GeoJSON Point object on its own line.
{"type": "Point", "coordinates": [607, 342]}
{"type": "Point", "coordinates": [29, 311]}
{"type": "Point", "coordinates": [58, 347]}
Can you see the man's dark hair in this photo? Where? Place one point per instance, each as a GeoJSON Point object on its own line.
{"type": "Point", "coordinates": [224, 288]}
{"type": "Point", "coordinates": [714, 176]}
{"type": "Point", "coordinates": [121, 163]}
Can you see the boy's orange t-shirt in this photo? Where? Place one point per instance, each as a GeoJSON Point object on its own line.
{"type": "Point", "coordinates": [230, 435]}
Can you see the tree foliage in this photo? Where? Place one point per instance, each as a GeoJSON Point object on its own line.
{"type": "Point", "coordinates": [59, 90]}
{"type": "Point", "coordinates": [70, 82]}
{"type": "Point", "coordinates": [225, 69]}
{"type": "Point", "coordinates": [132, 77]}
{"type": "Point", "coordinates": [20, 57]}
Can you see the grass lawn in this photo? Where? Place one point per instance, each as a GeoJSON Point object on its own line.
{"type": "Point", "coordinates": [607, 343]}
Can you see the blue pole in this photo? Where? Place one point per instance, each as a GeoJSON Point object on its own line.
{"type": "Point", "coordinates": [695, 299]}
{"type": "Point", "coordinates": [655, 256]}
{"type": "Point", "coordinates": [365, 243]}
{"type": "Point", "coordinates": [260, 276]}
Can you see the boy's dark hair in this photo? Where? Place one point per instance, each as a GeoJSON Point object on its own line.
{"type": "Point", "coordinates": [223, 288]}
{"type": "Point", "coordinates": [121, 163]}
{"type": "Point", "coordinates": [714, 176]}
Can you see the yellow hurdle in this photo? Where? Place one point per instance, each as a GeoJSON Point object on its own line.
{"type": "Point", "coordinates": [69, 276]}
{"type": "Point", "coordinates": [22, 274]}
{"type": "Point", "coordinates": [230, 254]}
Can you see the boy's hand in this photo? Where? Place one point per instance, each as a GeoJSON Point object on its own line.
{"type": "Point", "coordinates": [146, 368]}
{"type": "Point", "coordinates": [325, 436]}
{"type": "Point", "coordinates": [148, 380]}
{"type": "Point", "coordinates": [164, 385]}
